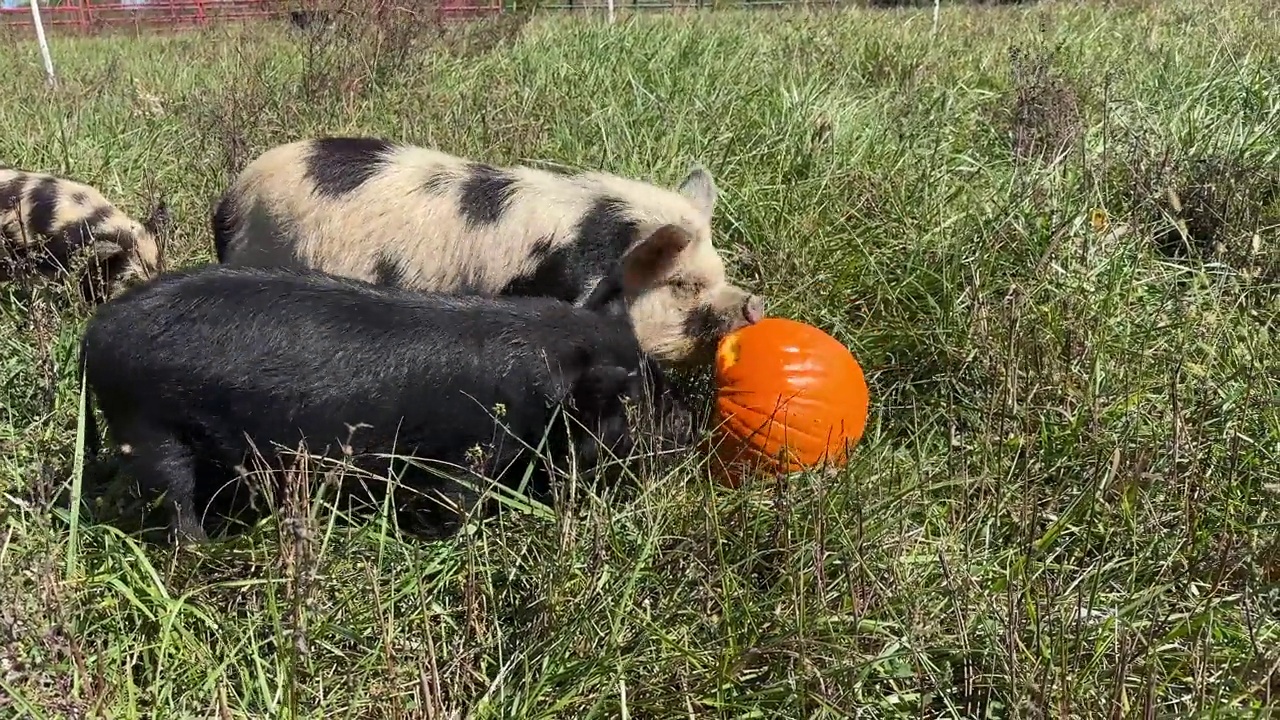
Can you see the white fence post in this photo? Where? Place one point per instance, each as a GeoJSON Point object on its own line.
{"type": "Point", "coordinates": [44, 45]}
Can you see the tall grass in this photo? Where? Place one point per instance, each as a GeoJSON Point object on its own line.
{"type": "Point", "coordinates": [1049, 234]}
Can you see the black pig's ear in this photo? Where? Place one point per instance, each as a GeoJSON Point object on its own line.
{"type": "Point", "coordinates": [606, 297]}
{"type": "Point", "coordinates": [601, 387]}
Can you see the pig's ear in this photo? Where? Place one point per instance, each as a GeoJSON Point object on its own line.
{"type": "Point", "coordinates": [653, 257]}
{"type": "Point", "coordinates": [160, 219]}
{"type": "Point", "coordinates": [600, 386]}
{"type": "Point", "coordinates": [700, 189]}
{"type": "Point", "coordinates": [103, 250]}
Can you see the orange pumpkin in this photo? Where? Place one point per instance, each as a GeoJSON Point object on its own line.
{"type": "Point", "coordinates": [789, 397]}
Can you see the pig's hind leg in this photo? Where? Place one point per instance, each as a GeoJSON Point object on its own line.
{"type": "Point", "coordinates": [161, 461]}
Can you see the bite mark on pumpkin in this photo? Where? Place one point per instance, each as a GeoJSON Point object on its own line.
{"type": "Point", "coordinates": [727, 354]}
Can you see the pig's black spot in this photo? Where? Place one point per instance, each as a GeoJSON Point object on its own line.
{"type": "Point", "coordinates": [225, 223]}
{"type": "Point", "coordinates": [339, 166]}
{"type": "Point", "coordinates": [603, 234]}
{"type": "Point", "coordinates": [11, 193]}
{"type": "Point", "coordinates": [437, 183]}
{"type": "Point", "coordinates": [387, 272]}
{"type": "Point", "coordinates": [486, 193]}
{"type": "Point", "coordinates": [84, 232]}
{"type": "Point", "coordinates": [552, 276]}
{"type": "Point", "coordinates": [44, 206]}
{"type": "Point", "coordinates": [703, 323]}
{"type": "Point", "coordinates": [276, 249]}
{"type": "Point", "coordinates": [542, 248]}
{"type": "Point", "coordinates": [99, 215]}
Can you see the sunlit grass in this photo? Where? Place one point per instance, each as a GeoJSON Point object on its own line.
{"type": "Point", "coordinates": [1065, 502]}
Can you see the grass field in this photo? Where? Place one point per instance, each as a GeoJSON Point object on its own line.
{"type": "Point", "coordinates": [1051, 235]}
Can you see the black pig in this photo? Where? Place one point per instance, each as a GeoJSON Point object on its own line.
{"type": "Point", "coordinates": [197, 369]}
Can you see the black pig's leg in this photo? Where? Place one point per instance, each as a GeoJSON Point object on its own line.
{"type": "Point", "coordinates": [160, 461]}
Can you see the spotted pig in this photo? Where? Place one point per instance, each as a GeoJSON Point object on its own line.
{"type": "Point", "coordinates": [419, 218]}
{"type": "Point", "coordinates": [48, 222]}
